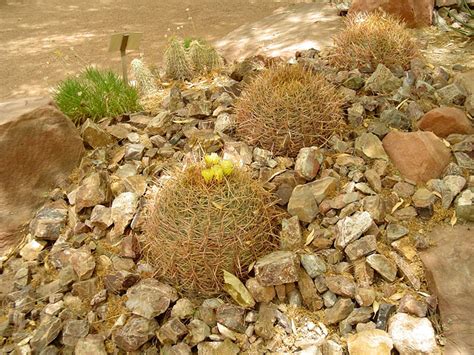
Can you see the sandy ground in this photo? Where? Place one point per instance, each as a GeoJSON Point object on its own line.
{"type": "Point", "coordinates": [44, 40]}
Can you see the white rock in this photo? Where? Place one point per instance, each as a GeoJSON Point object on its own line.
{"type": "Point", "coordinates": [351, 228]}
{"type": "Point", "coordinates": [123, 209]}
{"type": "Point", "coordinates": [412, 335]}
{"type": "Point", "coordinates": [370, 342]}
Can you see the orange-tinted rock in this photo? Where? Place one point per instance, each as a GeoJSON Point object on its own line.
{"type": "Point", "coordinates": [444, 121]}
{"type": "Point", "coordinates": [416, 13]}
{"type": "Point", "coordinates": [419, 156]}
{"type": "Point", "coordinates": [39, 148]}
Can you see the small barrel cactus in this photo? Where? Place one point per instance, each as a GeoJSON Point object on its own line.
{"type": "Point", "coordinates": [204, 57]}
{"type": "Point", "coordinates": [145, 79]}
{"type": "Point", "coordinates": [176, 61]}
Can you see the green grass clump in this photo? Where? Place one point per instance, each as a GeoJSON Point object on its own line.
{"type": "Point", "coordinates": [95, 94]}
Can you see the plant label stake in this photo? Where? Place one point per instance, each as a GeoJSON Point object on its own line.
{"type": "Point", "coordinates": [122, 42]}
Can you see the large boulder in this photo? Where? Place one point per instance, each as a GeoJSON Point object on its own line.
{"type": "Point", "coordinates": [449, 266]}
{"type": "Point", "coordinates": [444, 121]}
{"type": "Point", "coordinates": [419, 156]}
{"type": "Point", "coordinates": [416, 13]}
{"type": "Point", "coordinates": [39, 148]}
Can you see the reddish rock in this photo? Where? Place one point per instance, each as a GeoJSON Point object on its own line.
{"type": "Point", "coordinates": [419, 156]}
{"type": "Point", "coordinates": [444, 121]}
{"type": "Point", "coordinates": [416, 13]}
{"type": "Point", "coordinates": [39, 148]}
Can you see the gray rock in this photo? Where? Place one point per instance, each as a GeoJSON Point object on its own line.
{"type": "Point", "coordinates": [150, 298]}
{"type": "Point", "coordinates": [308, 291]}
{"type": "Point", "coordinates": [329, 299]}
{"type": "Point", "coordinates": [231, 316]}
{"type": "Point", "coordinates": [313, 264]}
{"type": "Point", "coordinates": [224, 122]}
{"type": "Point", "coordinates": [465, 205]}
{"type": "Point", "coordinates": [406, 270]}
{"type": "Point", "coordinates": [291, 237]}
{"type": "Point", "coordinates": [385, 267]}
{"type": "Point", "coordinates": [396, 231]}
{"type": "Point", "coordinates": [74, 330]}
{"type": "Point", "coordinates": [341, 285]}
{"type": "Point", "coordinates": [182, 309]}
{"type": "Point", "coordinates": [354, 82]}
{"type": "Point", "coordinates": [92, 192]}
{"type": "Point", "coordinates": [48, 223]}
{"type": "Point", "coordinates": [356, 114]}
{"type": "Point", "coordinates": [371, 146]}
{"type": "Point", "coordinates": [351, 228]}
{"type": "Point", "coordinates": [198, 332]}
{"type": "Point", "coordinates": [412, 335]}
{"type": "Point", "coordinates": [452, 94]}
{"type": "Point", "coordinates": [395, 119]}
{"type": "Point", "coordinates": [384, 313]}
{"type": "Point", "coordinates": [134, 151]}
{"type": "Point", "coordinates": [342, 308]}
{"type": "Point", "coordinates": [382, 81]}
{"type": "Point", "coordinates": [277, 268]}
{"type": "Point", "coordinates": [171, 331]}
{"type": "Point", "coordinates": [159, 124]}
{"type": "Point", "coordinates": [134, 333]}
{"type": "Point", "coordinates": [123, 209]}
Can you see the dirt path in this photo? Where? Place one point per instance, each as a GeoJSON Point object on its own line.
{"type": "Point", "coordinates": [43, 40]}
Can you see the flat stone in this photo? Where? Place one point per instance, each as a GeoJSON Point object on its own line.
{"type": "Point", "coordinates": [83, 263]}
{"type": "Point", "coordinates": [95, 136]}
{"type": "Point", "coordinates": [342, 308]}
{"type": "Point", "coordinates": [277, 268]}
{"type": "Point", "coordinates": [308, 291]}
{"type": "Point", "coordinates": [92, 344]}
{"type": "Point", "coordinates": [120, 281]}
{"type": "Point", "coordinates": [313, 265]}
{"type": "Point", "coordinates": [91, 192]}
{"type": "Point", "coordinates": [171, 331]}
{"type": "Point", "coordinates": [370, 342]}
{"type": "Point", "coordinates": [226, 347]}
{"type": "Point", "coordinates": [396, 231]}
{"type": "Point", "coordinates": [231, 316]}
{"type": "Point", "coordinates": [371, 146]}
{"type": "Point", "coordinates": [322, 188]}
{"type": "Point", "coordinates": [48, 223]}
{"type": "Point", "coordinates": [406, 270]}
{"type": "Point", "coordinates": [361, 247]}
{"type": "Point", "coordinates": [382, 81]}
{"type": "Point", "coordinates": [351, 228]}
{"type": "Point", "coordinates": [150, 298]}
{"type": "Point", "coordinates": [375, 205]}
{"type": "Point", "coordinates": [452, 286]}
{"type": "Point", "coordinates": [198, 332]}
{"type": "Point", "coordinates": [341, 285]}
{"type": "Point", "coordinates": [444, 121]}
{"type": "Point", "coordinates": [384, 266]}
{"type": "Point", "coordinates": [363, 273]}
{"type": "Point", "coordinates": [411, 305]}
{"type": "Point", "coordinates": [452, 94]}
{"type": "Point", "coordinates": [123, 209]}
{"type": "Point", "coordinates": [259, 292]}
{"type": "Point", "coordinates": [412, 335]}
{"type": "Point", "coordinates": [265, 320]}
{"type": "Point", "coordinates": [31, 250]}
{"type": "Point", "coordinates": [465, 205]}
{"type": "Point", "coordinates": [136, 332]}
{"type": "Point", "coordinates": [45, 334]}
{"type": "Point", "coordinates": [183, 309]}
{"type": "Point", "coordinates": [291, 237]}
{"type": "Point", "coordinates": [100, 217]}
{"type": "Point", "coordinates": [384, 313]}
{"type": "Point", "coordinates": [73, 330]}
{"type": "Point", "coordinates": [404, 189]}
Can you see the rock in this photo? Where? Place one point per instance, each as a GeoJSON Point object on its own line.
{"type": "Point", "coordinates": [95, 136]}
{"type": "Point", "coordinates": [321, 188]}
{"type": "Point", "coordinates": [342, 308]}
{"type": "Point", "coordinates": [351, 228]}
{"type": "Point", "coordinates": [265, 320]}
{"type": "Point", "coordinates": [92, 344]}
{"type": "Point", "coordinates": [231, 316]}
{"type": "Point", "coordinates": [354, 82]}
{"type": "Point", "coordinates": [74, 330]}
{"type": "Point", "coordinates": [48, 330]}
{"type": "Point", "coordinates": [341, 285]}
{"type": "Point", "coordinates": [100, 217]}
{"type": "Point", "coordinates": [260, 293]}
{"type": "Point", "coordinates": [395, 119]}
{"type": "Point", "coordinates": [371, 146]}
{"type": "Point", "coordinates": [382, 81]}
{"type": "Point", "coordinates": [365, 297]}
{"type": "Point", "coordinates": [277, 268]}
{"type": "Point", "coordinates": [404, 189]}
{"type": "Point", "coordinates": [465, 205]}
{"type": "Point", "coordinates": [361, 247]}
{"type": "Point", "coordinates": [419, 156]}
{"type": "Point", "coordinates": [385, 267]}
{"type": "Point", "coordinates": [412, 335]}
{"type": "Point", "coordinates": [150, 298]}
{"type": "Point", "coordinates": [91, 192]}
{"type": "Point", "coordinates": [120, 281]}
{"type": "Point", "coordinates": [290, 236]}
{"type": "Point", "coordinates": [375, 205]}
{"type": "Point", "coordinates": [48, 222]}
{"type": "Point", "coordinates": [226, 347]}
{"type": "Point", "coordinates": [171, 332]}
{"type": "Point", "coordinates": [415, 13]}
{"type": "Point", "coordinates": [198, 332]}
{"type": "Point", "coordinates": [409, 304]}
{"type": "Point", "coordinates": [452, 94]}
{"type": "Point", "coordinates": [373, 178]}
{"type": "Point", "coordinates": [444, 121]}
{"type": "Point", "coordinates": [224, 122]}
{"type": "Point", "coordinates": [134, 333]}
{"type": "Point", "coordinates": [465, 80]}
{"type": "Point", "coordinates": [423, 200]}
{"type": "Point", "coordinates": [134, 151]}
{"type": "Point", "coordinates": [310, 296]}
{"type": "Point", "coordinates": [384, 313]}
{"type": "Point", "coordinates": [31, 250]}
{"type": "Point", "coordinates": [313, 265]}
{"type": "Point", "coordinates": [303, 204]}
{"type": "Point", "coordinates": [307, 162]}
{"type": "Point", "coordinates": [452, 286]}
{"type": "Point", "coordinates": [370, 342]}
{"type": "Point", "coordinates": [40, 147]}
{"type": "Point", "coordinates": [183, 309]}
{"type": "Point", "coordinates": [159, 124]}
{"type": "Point", "coordinates": [396, 231]}
{"type": "Point", "coordinates": [407, 270]}
{"type": "Point", "coordinates": [356, 114]}
{"type": "Point", "coordinates": [123, 209]}
{"type": "Point", "coordinates": [83, 263]}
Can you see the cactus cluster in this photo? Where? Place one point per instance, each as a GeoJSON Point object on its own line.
{"type": "Point", "coordinates": [145, 80]}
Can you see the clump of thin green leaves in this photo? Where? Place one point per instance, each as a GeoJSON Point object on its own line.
{"type": "Point", "coordinates": [95, 94]}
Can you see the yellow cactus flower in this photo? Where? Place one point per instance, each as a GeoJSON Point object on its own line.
{"type": "Point", "coordinates": [218, 172]}
{"type": "Point", "coordinates": [227, 167]}
{"type": "Point", "coordinates": [207, 174]}
{"type": "Point", "coordinates": [211, 159]}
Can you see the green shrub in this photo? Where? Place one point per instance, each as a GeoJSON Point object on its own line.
{"type": "Point", "coordinates": [95, 94]}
